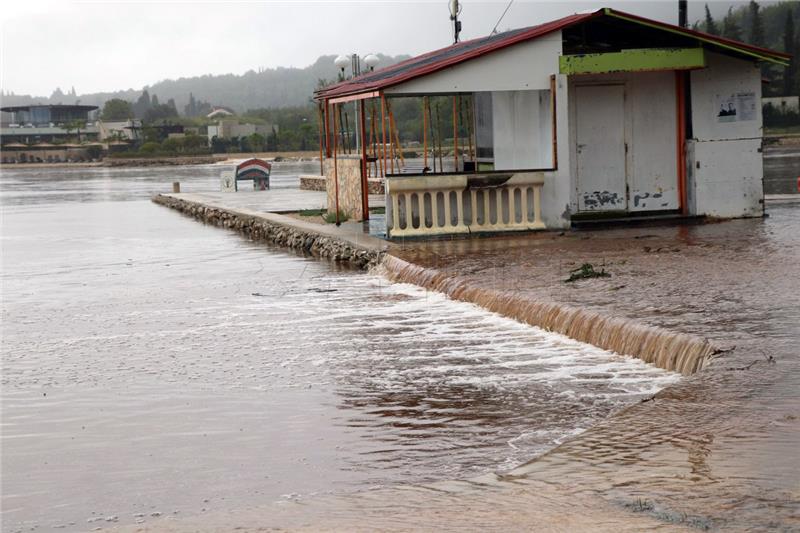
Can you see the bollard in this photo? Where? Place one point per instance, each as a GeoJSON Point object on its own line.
{"type": "Point", "coordinates": [798, 184]}
{"type": "Point", "coordinates": [176, 186]}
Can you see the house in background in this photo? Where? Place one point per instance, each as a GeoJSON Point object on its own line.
{"type": "Point", "coordinates": [120, 130]}
{"type": "Point", "coordinates": [596, 115]}
{"type": "Point", "coordinates": [31, 124]}
{"type": "Point", "coordinates": [48, 133]}
{"type": "Point", "coordinates": [230, 128]}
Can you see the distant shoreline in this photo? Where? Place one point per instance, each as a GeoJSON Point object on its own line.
{"type": "Point", "coordinates": [172, 161]}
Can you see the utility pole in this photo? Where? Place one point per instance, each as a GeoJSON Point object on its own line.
{"type": "Point", "coordinates": [683, 15]}
{"type": "Point", "coordinates": [455, 10]}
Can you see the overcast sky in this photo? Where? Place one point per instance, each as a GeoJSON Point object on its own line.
{"type": "Point", "coordinates": [107, 45]}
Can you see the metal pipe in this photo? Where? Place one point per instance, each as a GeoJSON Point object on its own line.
{"type": "Point", "coordinates": [680, 90]}
{"type": "Point", "coordinates": [439, 136]}
{"type": "Point", "coordinates": [364, 183]}
{"type": "Point", "coordinates": [320, 120]}
{"type": "Point", "coordinates": [327, 130]}
{"type": "Point", "coordinates": [335, 167]}
{"type": "Point", "coordinates": [424, 133]}
{"type": "Point", "coordinates": [455, 132]}
{"type": "Point", "coordinates": [378, 160]}
{"type": "Point", "coordinates": [383, 135]}
{"type": "Point", "coordinates": [683, 15]}
{"type": "Point", "coordinates": [554, 123]}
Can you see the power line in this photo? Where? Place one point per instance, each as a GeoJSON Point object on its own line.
{"type": "Point", "coordinates": [494, 30]}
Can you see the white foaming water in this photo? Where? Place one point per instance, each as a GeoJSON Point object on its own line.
{"type": "Point", "coordinates": [152, 364]}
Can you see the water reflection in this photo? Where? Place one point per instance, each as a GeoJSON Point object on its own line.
{"type": "Point", "coordinates": [155, 367]}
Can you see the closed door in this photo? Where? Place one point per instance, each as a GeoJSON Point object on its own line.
{"type": "Point", "coordinates": [601, 157]}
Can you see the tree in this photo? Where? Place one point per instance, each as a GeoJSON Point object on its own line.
{"type": "Point", "coordinates": [160, 112]}
{"type": "Point", "coordinates": [142, 105]}
{"type": "Point", "coordinates": [711, 25]}
{"type": "Point", "coordinates": [75, 125]}
{"type": "Point", "coordinates": [789, 45]}
{"type": "Point", "coordinates": [756, 24]}
{"type": "Point", "coordinates": [257, 142]}
{"type": "Point", "coordinates": [730, 28]}
{"type": "Point", "coordinates": [190, 109]}
{"type": "Point", "coordinates": [117, 109]}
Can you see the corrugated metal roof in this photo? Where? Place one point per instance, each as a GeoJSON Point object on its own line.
{"type": "Point", "coordinates": [458, 53]}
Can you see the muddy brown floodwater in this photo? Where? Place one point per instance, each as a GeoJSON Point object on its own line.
{"type": "Point", "coordinates": [720, 450]}
{"type": "Point", "coordinates": [160, 373]}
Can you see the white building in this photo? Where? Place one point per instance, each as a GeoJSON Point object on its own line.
{"type": "Point", "coordinates": [596, 115]}
{"type": "Point", "coordinates": [227, 129]}
{"type": "Point", "coordinates": [120, 130]}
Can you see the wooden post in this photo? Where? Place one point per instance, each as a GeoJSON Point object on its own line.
{"type": "Point", "coordinates": [176, 186]}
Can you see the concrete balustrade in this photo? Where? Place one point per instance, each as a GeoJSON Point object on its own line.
{"type": "Point", "coordinates": [419, 206]}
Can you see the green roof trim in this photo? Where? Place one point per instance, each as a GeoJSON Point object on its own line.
{"type": "Point", "coordinates": [637, 60]}
{"type": "Point", "coordinates": [694, 35]}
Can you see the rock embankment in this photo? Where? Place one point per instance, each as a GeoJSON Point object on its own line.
{"type": "Point", "coordinates": [260, 228]}
{"type": "Point", "coordinates": [162, 161]}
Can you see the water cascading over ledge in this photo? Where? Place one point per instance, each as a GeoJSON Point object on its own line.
{"type": "Point", "coordinates": [677, 352]}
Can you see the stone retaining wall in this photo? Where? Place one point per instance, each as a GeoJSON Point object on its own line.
{"type": "Point", "coordinates": [312, 183]}
{"type": "Point", "coordinates": [261, 229]}
{"type": "Point", "coordinates": [318, 183]}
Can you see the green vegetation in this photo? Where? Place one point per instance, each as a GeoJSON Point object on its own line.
{"type": "Point", "coordinates": [312, 212]}
{"type": "Point", "coordinates": [775, 118]}
{"type": "Point", "coordinates": [330, 218]}
{"type": "Point", "coordinates": [772, 26]}
{"type": "Point", "coordinates": [116, 109]}
{"type": "Point", "coordinates": [586, 271]}
{"type": "Point", "coordinates": [187, 145]}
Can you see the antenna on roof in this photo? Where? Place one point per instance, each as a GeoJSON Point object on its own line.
{"type": "Point", "coordinates": [683, 18]}
{"type": "Point", "coordinates": [455, 10]}
{"type": "Point", "coordinates": [494, 30]}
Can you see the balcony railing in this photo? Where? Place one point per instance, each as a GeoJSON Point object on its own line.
{"type": "Point", "coordinates": [419, 206]}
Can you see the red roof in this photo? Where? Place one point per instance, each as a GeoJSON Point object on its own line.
{"type": "Point", "coordinates": [458, 53]}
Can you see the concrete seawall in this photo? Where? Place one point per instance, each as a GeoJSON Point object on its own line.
{"type": "Point", "coordinates": [315, 239]}
{"type": "Point", "coordinates": [666, 349]}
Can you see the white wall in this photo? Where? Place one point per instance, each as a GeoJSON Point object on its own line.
{"type": "Point", "coordinates": [725, 167]}
{"type": "Point", "coordinates": [722, 78]}
{"type": "Point", "coordinates": [651, 134]}
{"type": "Point", "coordinates": [526, 65]}
{"type": "Point", "coordinates": [522, 124]}
{"type": "Point", "coordinates": [557, 189]}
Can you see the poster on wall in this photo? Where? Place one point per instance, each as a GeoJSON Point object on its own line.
{"type": "Point", "coordinates": [736, 107]}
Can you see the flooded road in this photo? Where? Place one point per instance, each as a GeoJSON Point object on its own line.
{"type": "Point", "coordinates": [721, 449]}
{"type": "Point", "coordinates": [155, 369]}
